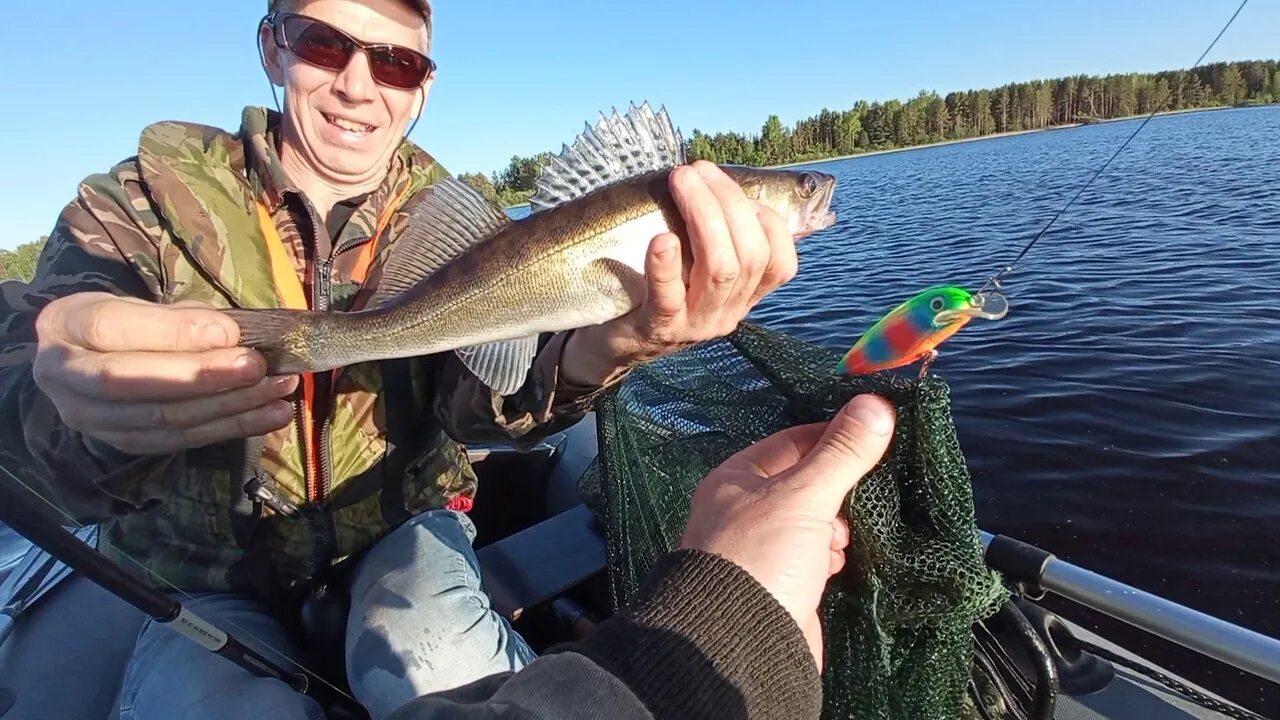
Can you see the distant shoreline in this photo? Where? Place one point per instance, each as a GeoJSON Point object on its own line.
{"type": "Point", "coordinates": [994, 136]}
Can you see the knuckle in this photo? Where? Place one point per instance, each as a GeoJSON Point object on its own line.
{"type": "Point", "coordinates": [194, 437]}
{"type": "Point", "coordinates": [73, 416]}
{"type": "Point", "coordinates": [97, 325]}
{"type": "Point", "coordinates": [847, 442]}
{"type": "Point", "coordinates": [109, 381]}
{"type": "Point", "coordinates": [126, 444]}
{"type": "Point", "coordinates": [49, 323]}
{"type": "Point", "coordinates": [724, 274]}
{"type": "Point", "coordinates": [46, 369]}
{"type": "Point", "coordinates": [166, 415]}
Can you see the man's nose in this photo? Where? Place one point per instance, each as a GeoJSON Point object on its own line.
{"type": "Point", "coordinates": [355, 82]}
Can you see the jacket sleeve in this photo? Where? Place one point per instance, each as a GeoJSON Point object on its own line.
{"type": "Point", "coordinates": [547, 403]}
{"type": "Point", "coordinates": [702, 639]}
{"type": "Point", "coordinates": [98, 244]}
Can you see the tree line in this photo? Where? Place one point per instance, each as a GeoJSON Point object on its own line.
{"type": "Point", "coordinates": [926, 118]}
{"type": "Point", "coordinates": [930, 118]}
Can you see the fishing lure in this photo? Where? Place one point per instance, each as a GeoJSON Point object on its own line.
{"type": "Point", "coordinates": [913, 330]}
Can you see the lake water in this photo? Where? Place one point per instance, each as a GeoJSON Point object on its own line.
{"type": "Point", "coordinates": [1125, 415]}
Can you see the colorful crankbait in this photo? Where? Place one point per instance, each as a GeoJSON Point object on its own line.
{"type": "Point", "coordinates": [912, 331]}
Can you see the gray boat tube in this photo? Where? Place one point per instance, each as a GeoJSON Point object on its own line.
{"type": "Point", "coordinates": [1210, 636]}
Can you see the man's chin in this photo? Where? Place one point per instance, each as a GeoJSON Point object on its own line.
{"type": "Point", "coordinates": [347, 164]}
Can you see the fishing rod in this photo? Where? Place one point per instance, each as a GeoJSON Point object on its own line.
{"type": "Point", "coordinates": [27, 519]}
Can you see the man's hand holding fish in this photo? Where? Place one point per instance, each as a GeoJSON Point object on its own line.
{"type": "Point", "coordinates": [742, 251]}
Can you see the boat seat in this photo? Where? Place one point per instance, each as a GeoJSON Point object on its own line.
{"type": "Point", "coordinates": [546, 558]}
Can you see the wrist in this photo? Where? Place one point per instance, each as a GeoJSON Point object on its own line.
{"type": "Point", "coordinates": [590, 359]}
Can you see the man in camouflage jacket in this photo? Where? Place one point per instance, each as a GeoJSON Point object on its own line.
{"type": "Point", "coordinates": [129, 403]}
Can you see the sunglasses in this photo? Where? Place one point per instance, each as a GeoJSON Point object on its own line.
{"type": "Point", "coordinates": [324, 45]}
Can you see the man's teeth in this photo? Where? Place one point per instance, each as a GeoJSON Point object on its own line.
{"type": "Point", "coordinates": [348, 125]}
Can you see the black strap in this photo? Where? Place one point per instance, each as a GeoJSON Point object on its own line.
{"type": "Point", "coordinates": [403, 426]}
{"type": "Point", "coordinates": [246, 507]}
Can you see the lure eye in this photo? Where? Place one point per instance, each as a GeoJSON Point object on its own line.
{"type": "Point", "coordinates": [937, 303]}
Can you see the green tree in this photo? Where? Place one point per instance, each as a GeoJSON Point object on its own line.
{"type": "Point", "coordinates": [1230, 85]}
{"type": "Point", "coordinates": [850, 129]}
{"type": "Point", "coordinates": [775, 141]}
{"type": "Point", "coordinates": [20, 262]}
{"type": "Point", "coordinates": [699, 147]}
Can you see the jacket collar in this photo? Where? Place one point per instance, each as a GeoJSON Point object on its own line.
{"type": "Point", "coordinates": [207, 182]}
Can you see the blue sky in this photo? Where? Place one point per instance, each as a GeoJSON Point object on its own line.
{"type": "Point", "coordinates": [522, 77]}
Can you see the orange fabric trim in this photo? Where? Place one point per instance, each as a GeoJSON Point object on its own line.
{"type": "Point", "coordinates": [365, 259]}
{"type": "Point", "coordinates": [289, 290]}
{"type": "Point", "coordinates": [288, 286]}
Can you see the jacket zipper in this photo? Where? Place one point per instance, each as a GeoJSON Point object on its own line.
{"type": "Point", "coordinates": [318, 477]}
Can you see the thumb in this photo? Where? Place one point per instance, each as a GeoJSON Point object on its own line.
{"type": "Point", "coordinates": [853, 442]}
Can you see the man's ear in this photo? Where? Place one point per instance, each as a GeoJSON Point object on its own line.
{"type": "Point", "coordinates": [271, 60]}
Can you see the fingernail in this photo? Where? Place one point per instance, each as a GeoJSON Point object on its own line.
{"type": "Point", "coordinates": [246, 365]}
{"type": "Point", "coordinates": [871, 413]}
{"type": "Point", "coordinates": [216, 335]}
{"type": "Point", "coordinates": [284, 381]}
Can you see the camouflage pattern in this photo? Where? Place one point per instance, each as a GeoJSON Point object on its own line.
{"type": "Point", "coordinates": [177, 222]}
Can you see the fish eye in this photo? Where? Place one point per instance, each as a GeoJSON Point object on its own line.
{"type": "Point", "coordinates": [937, 303]}
{"type": "Point", "coordinates": [808, 185]}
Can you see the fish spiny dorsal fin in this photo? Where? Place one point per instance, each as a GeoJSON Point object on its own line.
{"type": "Point", "coordinates": [449, 219]}
{"type": "Point", "coordinates": [617, 148]}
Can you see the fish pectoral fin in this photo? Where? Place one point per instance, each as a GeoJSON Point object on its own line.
{"type": "Point", "coordinates": [502, 365]}
{"type": "Point", "coordinates": [617, 148]}
{"type": "Point", "coordinates": [449, 219]}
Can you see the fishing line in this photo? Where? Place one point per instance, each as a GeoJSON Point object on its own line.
{"type": "Point", "coordinates": [243, 631]}
{"type": "Point", "coordinates": [994, 280]}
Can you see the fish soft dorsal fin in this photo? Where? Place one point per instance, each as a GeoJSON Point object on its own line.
{"type": "Point", "coordinates": [450, 218]}
{"type": "Point", "coordinates": [502, 365]}
{"type": "Point", "coordinates": [617, 148]}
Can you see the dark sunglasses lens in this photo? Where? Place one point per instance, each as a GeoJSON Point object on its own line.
{"type": "Point", "coordinates": [317, 43]}
{"type": "Point", "coordinates": [399, 67]}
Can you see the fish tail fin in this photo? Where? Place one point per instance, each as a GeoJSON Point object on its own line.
{"type": "Point", "coordinates": [282, 337]}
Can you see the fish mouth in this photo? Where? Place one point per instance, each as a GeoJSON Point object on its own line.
{"type": "Point", "coordinates": [985, 306]}
{"type": "Point", "coordinates": [818, 213]}
{"type": "Point", "coordinates": [814, 224]}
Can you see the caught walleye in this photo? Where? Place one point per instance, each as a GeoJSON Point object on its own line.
{"type": "Point", "coordinates": [464, 277]}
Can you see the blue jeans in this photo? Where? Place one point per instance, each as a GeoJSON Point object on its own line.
{"type": "Point", "coordinates": [419, 623]}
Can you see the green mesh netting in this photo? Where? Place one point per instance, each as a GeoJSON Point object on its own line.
{"type": "Point", "coordinates": [897, 620]}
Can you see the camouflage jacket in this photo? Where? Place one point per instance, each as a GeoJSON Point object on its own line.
{"type": "Point", "coordinates": [178, 222]}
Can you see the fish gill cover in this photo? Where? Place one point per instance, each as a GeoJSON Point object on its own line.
{"type": "Point", "coordinates": [897, 620]}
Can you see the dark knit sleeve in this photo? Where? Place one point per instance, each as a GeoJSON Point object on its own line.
{"type": "Point", "coordinates": [703, 639]}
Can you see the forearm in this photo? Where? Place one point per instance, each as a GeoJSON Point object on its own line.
{"type": "Point", "coordinates": [703, 640]}
{"type": "Point", "coordinates": [89, 250]}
